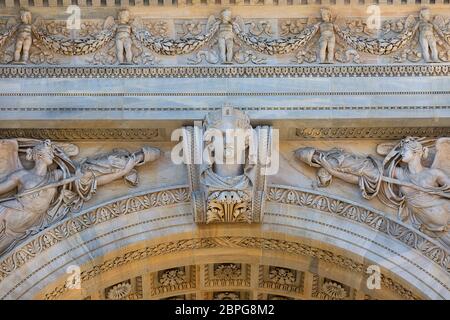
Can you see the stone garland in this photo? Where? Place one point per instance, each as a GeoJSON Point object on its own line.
{"type": "Point", "coordinates": [376, 46]}
{"type": "Point", "coordinates": [75, 47]}
{"type": "Point", "coordinates": [276, 46]}
{"type": "Point", "coordinates": [170, 47]}
{"type": "Point", "coordinates": [226, 29]}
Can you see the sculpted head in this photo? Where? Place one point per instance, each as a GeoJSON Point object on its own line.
{"type": "Point", "coordinates": [25, 16]}
{"type": "Point", "coordinates": [232, 125]}
{"type": "Point", "coordinates": [411, 148]}
{"type": "Point", "coordinates": [226, 15]}
{"type": "Point", "coordinates": [325, 13]}
{"type": "Point", "coordinates": [42, 152]}
{"type": "Point", "coordinates": [124, 16]}
{"type": "Point", "coordinates": [425, 14]}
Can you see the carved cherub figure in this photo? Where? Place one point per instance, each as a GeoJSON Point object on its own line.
{"type": "Point", "coordinates": [55, 185]}
{"type": "Point", "coordinates": [427, 38]}
{"type": "Point", "coordinates": [123, 38]}
{"type": "Point", "coordinates": [24, 38]}
{"type": "Point", "coordinates": [327, 38]}
{"type": "Point", "coordinates": [225, 36]}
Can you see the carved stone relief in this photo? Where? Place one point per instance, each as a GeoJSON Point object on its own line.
{"type": "Point", "coordinates": [283, 279]}
{"type": "Point", "coordinates": [226, 39]}
{"type": "Point", "coordinates": [173, 280]}
{"type": "Point", "coordinates": [227, 274]}
{"type": "Point", "coordinates": [130, 289]}
{"type": "Point", "coordinates": [413, 177]}
{"type": "Point", "coordinates": [41, 184]}
{"type": "Point", "coordinates": [229, 184]}
{"type": "Point", "coordinates": [327, 289]}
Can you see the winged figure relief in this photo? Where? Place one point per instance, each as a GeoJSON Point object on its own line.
{"type": "Point", "coordinates": [413, 177]}
{"type": "Point", "coordinates": [420, 191]}
{"type": "Point", "coordinates": [40, 183]}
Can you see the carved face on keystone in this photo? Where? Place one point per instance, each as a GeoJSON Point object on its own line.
{"type": "Point", "coordinates": [425, 14]}
{"type": "Point", "coordinates": [25, 16]}
{"type": "Point", "coordinates": [124, 16]}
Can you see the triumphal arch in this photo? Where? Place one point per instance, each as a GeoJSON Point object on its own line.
{"type": "Point", "coordinates": [113, 183]}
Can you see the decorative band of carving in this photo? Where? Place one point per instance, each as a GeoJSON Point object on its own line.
{"type": "Point", "coordinates": [82, 134]}
{"type": "Point", "coordinates": [69, 227]}
{"type": "Point", "coordinates": [371, 133]}
{"type": "Point", "coordinates": [226, 71]}
{"type": "Point", "coordinates": [222, 94]}
{"type": "Point", "coordinates": [368, 217]}
{"type": "Point", "coordinates": [207, 109]}
{"type": "Point", "coordinates": [279, 194]}
{"type": "Point", "coordinates": [290, 247]}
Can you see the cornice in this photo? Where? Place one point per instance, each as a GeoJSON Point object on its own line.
{"type": "Point", "coordinates": [182, 4]}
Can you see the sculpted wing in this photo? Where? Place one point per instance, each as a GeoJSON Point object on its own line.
{"type": "Point", "coordinates": [109, 22]}
{"type": "Point", "coordinates": [240, 22]}
{"type": "Point", "coordinates": [137, 24]}
{"type": "Point", "coordinates": [69, 149]}
{"type": "Point", "coordinates": [11, 23]}
{"type": "Point", "coordinates": [442, 156]}
{"type": "Point", "coordinates": [9, 157]}
{"type": "Point", "coordinates": [210, 23]}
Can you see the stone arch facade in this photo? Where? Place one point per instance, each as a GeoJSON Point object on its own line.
{"type": "Point", "coordinates": [355, 120]}
{"type": "Point", "coordinates": [142, 236]}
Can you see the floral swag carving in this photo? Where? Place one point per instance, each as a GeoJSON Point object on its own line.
{"type": "Point", "coordinates": [227, 40]}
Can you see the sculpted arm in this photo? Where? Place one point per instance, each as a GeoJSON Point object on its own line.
{"type": "Point", "coordinates": [9, 182]}
{"type": "Point", "coordinates": [350, 178]}
{"type": "Point", "coordinates": [443, 179]}
{"type": "Point", "coordinates": [107, 178]}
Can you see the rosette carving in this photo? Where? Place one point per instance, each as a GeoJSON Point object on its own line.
{"type": "Point", "coordinates": [79, 46]}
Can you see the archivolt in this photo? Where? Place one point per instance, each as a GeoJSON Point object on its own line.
{"type": "Point", "coordinates": [134, 227]}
